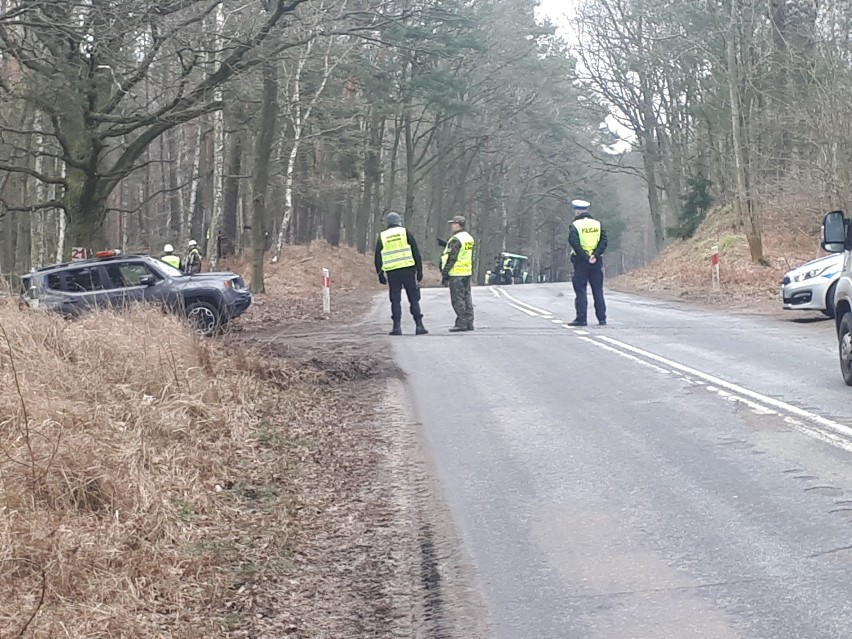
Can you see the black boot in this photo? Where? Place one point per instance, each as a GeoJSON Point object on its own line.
{"type": "Point", "coordinates": [420, 330]}
{"type": "Point", "coordinates": [397, 329]}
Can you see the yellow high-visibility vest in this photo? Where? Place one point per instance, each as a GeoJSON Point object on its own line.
{"type": "Point", "coordinates": [464, 263]}
{"type": "Point", "coordinates": [171, 260]}
{"type": "Point", "coordinates": [589, 231]}
{"type": "Point", "coordinates": [396, 251]}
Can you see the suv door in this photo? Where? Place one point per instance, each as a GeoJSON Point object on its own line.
{"type": "Point", "coordinates": [130, 279]}
{"type": "Point", "coordinates": [83, 288]}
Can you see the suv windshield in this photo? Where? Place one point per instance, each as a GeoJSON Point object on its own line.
{"type": "Point", "coordinates": [168, 269]}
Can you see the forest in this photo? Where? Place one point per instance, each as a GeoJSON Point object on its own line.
{"type": "Point", "coordinates": [251, 126]}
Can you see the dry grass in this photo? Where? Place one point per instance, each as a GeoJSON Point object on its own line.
{"type": "Point", "coordinates": [791, 237]}
{"type": "Point", "coordinates": [114, 432]}
{"type": "Point", "coordinates": [153, 484]}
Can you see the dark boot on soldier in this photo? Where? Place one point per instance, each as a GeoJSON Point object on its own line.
{"type": "Point", "coordinates": [420, 330]}
{"type": "Point", "coordinates": [397, 329]}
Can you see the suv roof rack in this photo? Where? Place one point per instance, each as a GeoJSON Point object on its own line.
{"type": "Point", "coordinates": [90, 260]}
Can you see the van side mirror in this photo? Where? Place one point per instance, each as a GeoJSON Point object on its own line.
{"type": "Point", "coordinates": [147, 280]}
{"type": "Point", "coordinates": [834, 226]}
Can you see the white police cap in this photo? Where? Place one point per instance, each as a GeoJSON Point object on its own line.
{"type": "Point", "coordinates": [580, 205]}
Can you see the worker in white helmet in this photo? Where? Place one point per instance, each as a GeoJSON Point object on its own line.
{"type": "Point", "coordinates": [170, 258]}
{"type": "Point", "coordinates": [192, 263]}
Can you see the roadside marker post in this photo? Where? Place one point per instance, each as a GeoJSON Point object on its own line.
{"type": "Point", "coordinates": [714, 266]}
{"type": "Point", "coordinates": [326, 291]}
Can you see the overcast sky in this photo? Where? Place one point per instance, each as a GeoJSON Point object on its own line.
{"type": "Point", "coordinates": [557, 11]}
{"type": "Point", "coordinates": [560, 12]}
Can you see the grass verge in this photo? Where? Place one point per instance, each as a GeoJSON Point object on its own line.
{"type": "Point", "coordinates": [153, 484]}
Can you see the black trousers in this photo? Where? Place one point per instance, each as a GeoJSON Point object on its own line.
{"type": "Point", "coordinates": [586, 274]}
{"type": "Point", "coordinates": [404, 278]}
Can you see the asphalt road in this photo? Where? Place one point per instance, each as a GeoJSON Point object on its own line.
{"type": "Point", "coordinates": [678, 473]}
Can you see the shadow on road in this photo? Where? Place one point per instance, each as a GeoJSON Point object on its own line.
{"type": "Point", "coordinates": [819, 319]}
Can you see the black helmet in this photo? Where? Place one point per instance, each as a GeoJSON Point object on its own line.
{"type": "Point", "coordinates": [393, 219]}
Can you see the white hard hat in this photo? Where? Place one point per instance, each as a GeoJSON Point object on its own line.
{"type": "Point", "coordinates": [192, 243]}
{"type": "Point", "coordinates": [168, 248]}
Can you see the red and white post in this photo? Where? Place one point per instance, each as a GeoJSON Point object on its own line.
{"type": "Point", "coordinates": [714, 267]}
{"type": "Point", "coordinates": [326, 291]}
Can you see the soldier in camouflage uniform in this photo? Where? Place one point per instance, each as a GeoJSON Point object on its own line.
{"type": "Point", "coordinates": [457, 272]}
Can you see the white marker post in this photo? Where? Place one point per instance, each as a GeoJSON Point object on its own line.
{"type": "Point", "coordinates": [326, 291]}
{"type": "Point", "coordinates": [714, 266]}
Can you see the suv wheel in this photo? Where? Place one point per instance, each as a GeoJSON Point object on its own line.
{"type": "Point", "coordinates": [844, 339]}
{"type": "Point", "coordinates": [203, 317]}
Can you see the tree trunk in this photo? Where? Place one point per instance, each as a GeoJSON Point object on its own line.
{"type": "Point", "coordinates": [188, 212]}
{"type": "Point", "coordinates": [85, 209]}
{"type": "Point", "coordinates": [649, 164]}
{"type": "Point", "coordinates": [371, 178]}
{"type": "Point", "coordinates": [61, 224]}
{"type": "Point", "coordinates": [409, 167]}
{"type": "Point", "coordinates": [260, 187]}
{"type": "Point", "coordinates": [174, 226]}
{"type": "Point", "coordinates": [216, 214]}
{"type": "Point", "coordinates": [232, 191]}
{"type": "Point", "coordinates": [37, 239]}
{"type": "Point", "coordinates": [742, 198]}
{"type": "Point", "coordinates": [390, 192]}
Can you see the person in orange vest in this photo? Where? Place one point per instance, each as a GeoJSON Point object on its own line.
{"type": "Point", "coordinates": [588, 243]}
{"type": "Point", "coordinates": [399, 265]}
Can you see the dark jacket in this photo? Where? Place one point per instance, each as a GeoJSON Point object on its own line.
{"type": "Point", "coordinates": [418, 262]}
{"type": "Point", "coordinates": [574, 242]}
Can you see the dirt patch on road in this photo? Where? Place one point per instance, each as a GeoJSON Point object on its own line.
{"type": "Point", "coordinates": [353, 539]}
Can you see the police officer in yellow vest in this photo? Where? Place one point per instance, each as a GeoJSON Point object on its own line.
{"type": "Point", "coordinates": [457, 272]}
{"type": "Point", "coordinates": [398, 264]}
{"type": "Point", "coordinates": [588, 243]}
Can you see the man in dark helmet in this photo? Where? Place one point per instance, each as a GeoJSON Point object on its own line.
{"type": "Point", "coordinates": [398, 264]}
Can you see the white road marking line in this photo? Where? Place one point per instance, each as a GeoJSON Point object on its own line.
{"type": "Point", "coordinates": [557, 321]}
{"type": "Point", "coordinates": [828, 438]}
{"type": "Point", "coordinates": [591, 340]}
{"type": "Point", "coordinates": [523, 310]}
{"type": "Point", "coordinates": [494, 291]}
{"type": "Point", "coordinates": [576, 332]}
{"type": "Point", "coordinates": [759, 409]}
{"type": "Point", "coordinates": [540, 311]}
{"type": "Point", "coordinates": [845, 432]}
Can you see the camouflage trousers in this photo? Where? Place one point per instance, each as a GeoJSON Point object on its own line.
{"type": "Point", "coordinates": [462, 301]}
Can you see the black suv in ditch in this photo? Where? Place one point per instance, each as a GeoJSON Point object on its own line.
{"type": "Point", "coordinates": [208, 300]}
